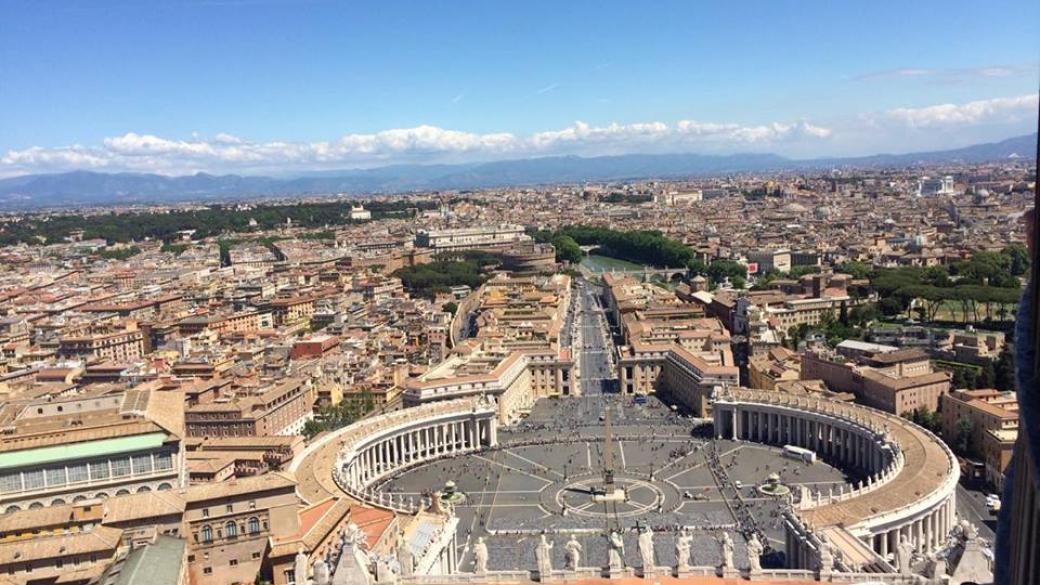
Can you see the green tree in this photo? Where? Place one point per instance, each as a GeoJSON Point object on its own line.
{"type": "Point", "coordinates": [987, 377]}
{"type": "Point", "coordinates": [1004, 370]}
{"type": "Point", "coordinates": [965, 426]}
{"type": "Point", "coordinates": [450, 307]}
{"type": "Point", "coordinates": [567, 250]}
{"type": "Point", "coordinates": [857, 269]}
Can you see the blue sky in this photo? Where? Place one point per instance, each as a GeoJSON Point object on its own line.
{"type": "Point", "coordinates": [279, 86]}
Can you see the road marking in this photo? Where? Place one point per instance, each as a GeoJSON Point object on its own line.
{"type": "Point", "coordinates": [520, 471]}
{"type": "Point", "coordinates": [537, 465]}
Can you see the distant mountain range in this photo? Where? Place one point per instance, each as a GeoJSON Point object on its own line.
{"type": "Point", "coordinates": [90, 188]}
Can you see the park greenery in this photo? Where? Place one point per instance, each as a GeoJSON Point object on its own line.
{"type": "Point", "coordinates": [641, 246]}
{"type": "Point", "coordinates": [468, 268]}
{"type": "Point", "coordinates": [627, 198]}
{"type": "Point", "coordinates": [175, 249]}
{"type": "Point", "coordinates": [213, 220]}
{"type": "Point", "coordinates": [330, 418]}
{"type": "Point", "coordinates": [984, 287]}
{"type": "Point", "coordinates": [850, 323]}
{"type": "Point", "coordinates": [719, 270]}
{"type": "Point", "coordinates": [998, 374]}
{"type": "Point", "coordinates": [119, 253]}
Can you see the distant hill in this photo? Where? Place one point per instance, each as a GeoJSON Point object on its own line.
{"type": "Point", "coordinates": [90, 188]}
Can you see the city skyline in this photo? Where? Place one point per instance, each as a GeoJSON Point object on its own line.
{"type": "Point", "coordinates": [273, 88]}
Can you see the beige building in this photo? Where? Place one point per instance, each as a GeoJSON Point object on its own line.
{"type": "Point", "coordinates": [65, 451]}
{"type": "Point", "coordinates": [280, 408]}
{"type": "Point", "coordinates": [468, 238]}
{"type": "Point", "coordinates": [114, 343]}
{"type": "Point", "coordinates": [515, 380]}
{"type": "Point", "coordinates": [894, 381]}
{"type": "Point", "coordinates": [229, 525]}
{"type": "Point", "coordinates": [775, 366]}
{"type": "Point", "coordinates": [987, 422]}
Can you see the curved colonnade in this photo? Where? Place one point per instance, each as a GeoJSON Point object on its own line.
{"type": "Point", "coordinates": [911, 476]}
{"type": "Point", "coordinates": [374, 448]}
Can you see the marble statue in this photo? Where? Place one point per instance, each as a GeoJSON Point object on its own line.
{"type": "Point", "coordinates": [321, 572]}
{"type": "Point", "coordinates": [301, 566]}
{"type": "Point", "coordinates": [826, 557]}
{"type": "Point", "coordinates": [646, 549]}
{"type": "Point", "coordinates": [682, 549]}
{"type": "Point", "coordinates": [616, 550]}
{"type": "Point", "coordinates": [968, 530]}
{"type": "Point", "coordinates": [384, 573]}
{"type": "Point", "coordinates": [480, 556]}
{"type": "Point", "coordinates": [726, 550]}
{"type": "Point", "coordinates": [937, 566]}
{"type": "Point", "coordinates": [353, 534]}
{"type": "Point", "coordinates": [543, 555]}
{"type": "Point", "coordinates": [904, 554]}
{"type": "Point", "coordinates": [573, 550]}
{"type": "Point", "coordinates": [405, 557]}
{"type": "Point", "coordinates": [754, 553]}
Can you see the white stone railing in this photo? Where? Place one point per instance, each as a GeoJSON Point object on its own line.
{"type": "Point", "coordinates": [879, 423]}
{"type": "Point", "coordinates": [377, 430]}
{"type": "Point", "coordinates": [587, 574]}
{"type": "Point", "coordinates": [872, 484]}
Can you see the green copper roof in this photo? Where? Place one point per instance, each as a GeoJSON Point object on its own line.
{"type": "Point", "coordinates": [85, 450]}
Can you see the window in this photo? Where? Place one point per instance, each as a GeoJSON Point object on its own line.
{"type": "Point", "coordinates": [10, 482]}
{"type": "Point", "coordinates": [229, 509]}
{"type": "Point", "coordinates": [78, 473]}
{"type": "Point", "coordinates": [164, 461]}
{"type": "Point", "coordinates": [142, 463]}
{"type": "Point", "coordinates": [254, 525]}
{"type": "Point", "coordinates": [99, 470]}
{"type": "Point", "coordinates": [33, 479]}
{"type": "Point", "coordinates": [207, 534]}
{"type": "Point", "coordinates": [120, 467]}
{"type": "Point", "coordinates": [231, 529]}
{"type": "Point", "coordinates": [56, 476]}
{"type": "Point", "coordinates": [207, 570]}
{"type": "Point", "coordinates": [256, 554]}
{"type": "Point", "coordinates": [205, 512]}
{"type": "Point", "coordinates": [233, 562]}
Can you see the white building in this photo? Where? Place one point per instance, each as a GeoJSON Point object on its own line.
{"type": "Point", "coordinates": [928, 186]}
{"type": "Point", "coordinates": [359, 213]}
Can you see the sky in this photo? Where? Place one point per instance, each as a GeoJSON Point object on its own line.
{"type": "Point", "coordinates": [278, 87]}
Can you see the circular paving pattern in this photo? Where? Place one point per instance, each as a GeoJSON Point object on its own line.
{"type": "Point", "coordinates": [583, 496]}
{"type": "Point", "coordinates": [547, 471]}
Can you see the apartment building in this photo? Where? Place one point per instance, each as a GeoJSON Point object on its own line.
{"type": "Point", "coordinates": [984, 423]}
{"type": "Point", "coordinates": [120, 342]}
{"type": "Point", "coordinates": [278, 408]}
{"type": "Point", "coordinates": [229, 525]}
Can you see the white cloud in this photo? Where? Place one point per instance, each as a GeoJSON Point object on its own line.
{"type": "Point", "coordinates": [900, 129]}
{"type": "Point", "coordinates": [228, 153]}
{"type": "Point", "coordinates": [752, 134]}
{"type": "Point", "coordinates": [949, 75]}
{"type": "Point", "coordinates": [997, 110]}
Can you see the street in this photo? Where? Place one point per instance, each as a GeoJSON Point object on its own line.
{"type": "Point", "coordinates": [594, 349]}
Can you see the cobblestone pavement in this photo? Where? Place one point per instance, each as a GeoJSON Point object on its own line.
{"type": "Point", "coordinates": [546, 469]}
